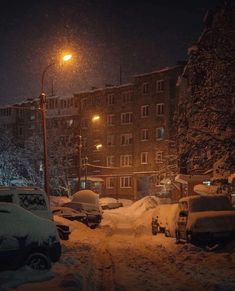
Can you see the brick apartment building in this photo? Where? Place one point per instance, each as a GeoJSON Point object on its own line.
{"type": "Point", "coordinates": [136, 129]}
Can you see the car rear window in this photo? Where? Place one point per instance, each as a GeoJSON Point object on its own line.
{"type": "Point", "coordinates": [218, 203]}
{"type": "Point", "coordinates": [32, 201]}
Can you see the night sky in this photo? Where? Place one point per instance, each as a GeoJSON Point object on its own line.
{"type": "Point", "coordinates": [141, 36]}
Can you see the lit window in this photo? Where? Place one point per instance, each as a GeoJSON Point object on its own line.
{"type": "Point", "coordinates": [159, 133]}
{"type": "Point", "coordinates": [160, 109]}
{"type": "Point", "coordinates": [125, 160]}
{"type": "Point", "coordinates": [126, 138]}
{"type": "Point", "coordinates": [145, 88]}
{"type": "Point", "coordinates": [144, 134]}
{"type": "Point", "coordinates": [144, 158]}
{"type": "Point", "coordinates": [159, 85]}
{"type": "Point", "coordinates": [125, 182]}
{"type": "Point", "coordinates": [126, 118]}
{"type": "Point", "coordinates": [158, 157]}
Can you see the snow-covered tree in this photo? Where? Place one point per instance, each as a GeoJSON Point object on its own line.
{"type": "Point", "coordinates": [15, 167]}
{"type": "Point", "coordinates": [206, 124]}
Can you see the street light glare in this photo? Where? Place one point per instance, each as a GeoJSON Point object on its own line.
{"type": "Point", "coordinates": [67, 57]}
{"type": "Point", "coordinates": [99, 146]}
{"type": "Point", "coordinates": [95, 118]}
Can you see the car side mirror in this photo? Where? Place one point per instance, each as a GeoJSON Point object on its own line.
{"type": "Point", "coordinates": [183, 213]}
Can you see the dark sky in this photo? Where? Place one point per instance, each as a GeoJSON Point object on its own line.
{"type": "Point", "coordinates": [141, 36]}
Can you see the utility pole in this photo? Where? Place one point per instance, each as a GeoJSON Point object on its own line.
{"type": "Point", "coordinates": [45, 145]}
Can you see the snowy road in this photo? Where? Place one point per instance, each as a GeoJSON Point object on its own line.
{"type": "Point", "coordinates": [98, 261]}
{"type": "Point", "coordinates": [121, 255]}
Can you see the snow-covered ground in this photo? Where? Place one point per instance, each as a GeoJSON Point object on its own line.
{"type": "Point", "coordinates": [122, 254]}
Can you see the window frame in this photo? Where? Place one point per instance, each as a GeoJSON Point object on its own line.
{"type": "Point", "coordinates": [123, 184]}
{"type": "Point", "coordinates": [144, 158]}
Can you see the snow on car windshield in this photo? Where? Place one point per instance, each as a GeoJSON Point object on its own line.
{"type": "Point", "coordinates": [217, 203]}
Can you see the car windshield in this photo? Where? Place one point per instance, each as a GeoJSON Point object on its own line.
{"type": "Point", "coordinates": [219, 203]}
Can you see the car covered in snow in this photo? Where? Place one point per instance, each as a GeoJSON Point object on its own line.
{"type": "Point", "coordinates": [110, 203]}
{"type": "Point", "coordinates": [34, 200]}
{"type": "Point", "coordinates": [205, 219]}
{"type": "Point", "coordinates": [26, 239]}
{"type": "Point", "coordinates": [87, 202]}
{"type": "Point", "coordinates": [69, 213]}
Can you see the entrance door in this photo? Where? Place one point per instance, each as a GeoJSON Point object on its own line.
{"type": "Point", "coordinates": [143, 186]}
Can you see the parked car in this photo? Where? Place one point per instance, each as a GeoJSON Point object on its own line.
{"type": "Point", "coordinates": [69, 213]}
{"type": "Point", "coordinates": [110, 203]}
{"type": "Point", "coordinates": [205, 219]}
{"type": "Point", "coordinates": [34, 200]}
{"type": "Point", "coordinates": [87, 202]}
{"type": "Point", "coordinates": [26, 239]}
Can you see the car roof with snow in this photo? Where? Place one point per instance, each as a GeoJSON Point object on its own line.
{"type": "Point", "coordinates": [198, 197]}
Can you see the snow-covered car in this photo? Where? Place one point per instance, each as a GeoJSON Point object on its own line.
{"type": "Point", "coordinates": [205, 219]}
{"type": "Point", "coordinates": [110, 203]}
{"type": "Point", "coordinates": [26, 239]}
{"type": "Point", "coordinates": [34, 200]}
{"type": "Point", "coordinates": [87, 202]}
{"type": "Point", "coordinates": [70, 214]}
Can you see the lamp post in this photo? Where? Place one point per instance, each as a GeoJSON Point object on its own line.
{"type": "Point", "coordinates": [42, 98]}
{"type": "Point", "coordinates": [95, 118]}
{"type": "Point", "coordinates": [97, 147]}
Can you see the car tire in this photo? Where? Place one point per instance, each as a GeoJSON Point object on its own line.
{"type": "Point", "coordinates": [38, 261]}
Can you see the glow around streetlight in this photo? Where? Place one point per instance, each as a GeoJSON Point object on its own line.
{"type": "Point", "coordinates": [67, 57]}
{"type": "Point", "coordinates": [95, 118]}
{"type": "Point", "coordinates": [99, 146]}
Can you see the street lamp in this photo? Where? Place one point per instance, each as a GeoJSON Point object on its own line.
{"type": "Point", "coordinates": [42, 97]}
{"type": "Point", "coordinates": [97, 147]}
{"type": "Point", "coordinates": [93, 119]}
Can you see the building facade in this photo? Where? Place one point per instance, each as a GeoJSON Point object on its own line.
{"type": "Point", "coordinates": [136, 129]}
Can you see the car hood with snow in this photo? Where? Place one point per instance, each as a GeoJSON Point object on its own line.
{"type": "Point", "coordinates": [28, 225]}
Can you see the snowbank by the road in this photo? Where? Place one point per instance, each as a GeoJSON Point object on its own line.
{"type": "Point", "coordinates": [12, 279]}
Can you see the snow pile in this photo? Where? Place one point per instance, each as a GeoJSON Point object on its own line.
{"type": "Point", "coordinates": [126, 202]}
{"type": "Point", "coordinates": [107, 200]}
{"type": "Point", "coordinates": [134, 219]}
{"type": "Point", "coordinates": [144, 204]}
{"type": "Point", "coordinates": [205, 189]}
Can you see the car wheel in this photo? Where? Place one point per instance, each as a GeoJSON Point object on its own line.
{"type": "Point", "coordinates": [38, 261]}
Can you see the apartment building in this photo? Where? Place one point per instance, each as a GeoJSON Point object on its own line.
{"type": "Point", "coordinates": [136, 129]}
{"type": "Point", "coordinates": [137, 132]}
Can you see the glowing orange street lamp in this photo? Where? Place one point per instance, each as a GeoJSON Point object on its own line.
{"type": "Point", "coordinates": [42, 97]}
{"type": "Point", "coordinates": [95, 118]}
